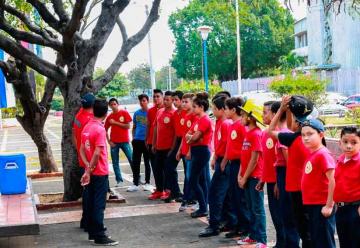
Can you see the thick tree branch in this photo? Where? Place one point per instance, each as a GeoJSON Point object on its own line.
{"type": "Point", "coordinates": [59, 10]}
{"type": "Point", "coordinates": [76, 17]}
{"type": "Point", "coordinates": [30, 59]}
{"type": "Point", "coordinates": [46, 15]}
{"type": "Point", "coordinates": [122, 28]}
{"type": "Point", "coordinates": [127, 45]}
{"type": "Point", "coordinates": [103, 28]}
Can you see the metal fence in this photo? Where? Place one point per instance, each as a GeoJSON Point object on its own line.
{"type": "Point", "coordinates": [345, 81]}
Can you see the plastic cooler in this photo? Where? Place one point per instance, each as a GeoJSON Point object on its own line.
{"type": "Point", "coordinates": [12, 174]}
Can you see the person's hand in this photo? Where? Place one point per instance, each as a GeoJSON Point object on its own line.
{"type": "Point", "coordinates": [213, 164]}
{"type": "Point", "coordinates": [359, 210]}
{"type": "Point", "coordinates": [112, 121]}
{"type": "Point", "coordinates": [178, 155]}
{"type": "Point", "coordinates": [285, 103]}
{"type": "Point", "coordinates": [276, 192]}
{"type": "Point", "coordinates": [112, 144]}
{"type": "Point", "coordinates": [188, 137]}
{"type": "Point", "coordinates": [260, 186]}
{"type": "Point", "coordinates": [326, 211]}
{"type": "Point", "coordinates": [85, 179]}
{"type": "Point", "coordinates": [222, 166]}
{"type": "Point", "coordinates": [153, 149]}
{"type": "Point", "coordinates": [242, 182]}
{"type": "Point", "coordinates": [188, 156]}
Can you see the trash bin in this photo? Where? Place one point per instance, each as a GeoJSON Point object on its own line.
{"type": "Point", "coordinates": [12, 174]}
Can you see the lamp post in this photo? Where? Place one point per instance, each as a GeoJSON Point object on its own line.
{"type": "Point", "coordinates": [204, 31]}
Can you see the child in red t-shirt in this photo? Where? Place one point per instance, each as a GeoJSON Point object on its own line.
{"type": "Point", "coordinates": [184, 149]}
{"type": "Point", "coordinates": [220, 181]}
{"type": "Point", "coordinates": [199, 137]}
{"type": "Point", "coordinates": [164, 133]}
{"type": "Point", "coordinates": [317, 185]}
{"type": "Point", "coordinates": [347, 189]}
{"type": "Point", "coordinates": [250, 174]}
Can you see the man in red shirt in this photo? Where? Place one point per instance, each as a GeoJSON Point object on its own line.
{"type": "Point", "coordinates": [84, 115]}
{"type": "Point", "coordinates": [119, 122]}
{"type": "Point", "coordinates": [151, 115]}
{"type": "Point", "coordinates": [164, 133]}
{"type": "Point", "coordinates": [94, 154]}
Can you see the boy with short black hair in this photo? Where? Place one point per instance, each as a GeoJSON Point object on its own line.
{"type": "Point", "coordinates": [94, 154]}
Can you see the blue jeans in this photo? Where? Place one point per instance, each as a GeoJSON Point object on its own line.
{"type": "Point", "coordinates": [171, 174]}
{"type": "Point", "coordinates": [292, 238]}
{"type": "Point", "coordinates": [275, 212]}
{"type": "Point", "coordinates": [188, 196]}
{"type": "Point", "coordinates": [200, 157]}
{"type": "Point", "coordinates": [348, 226]}
{"type": "Point", "coordinates": [255, 201]}
{"type": "Point", "coordinates": [239, 215]}
{"type": "Point", "coordinates": [126, 148]}
{"type": "Point", "coordinates": [322, 229]}
{"type": "Point", "coordinates": [217, 192]}
{"type": "Point", "coordinates": [97, 192]}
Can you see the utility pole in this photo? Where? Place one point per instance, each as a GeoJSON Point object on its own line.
{"type": "Point", "coordinates": [170, 77]}
{"type": "Point", "coordinates": [152, 71]}
{"type": "Point", "coordinates": [238, 47]}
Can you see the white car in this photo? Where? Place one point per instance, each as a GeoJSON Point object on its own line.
{"type": "Point", "coordinates": [333, 109]}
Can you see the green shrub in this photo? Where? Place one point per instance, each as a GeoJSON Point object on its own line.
{"type": "Point", "coordinates": [307, 85]}
{"type": "Point", "coordinates": [353, 115]}
{"type": "Point", "coordinates": [9, 112]}
{"type": "Point", "coordinates": [198, 85]}
{"type": "Point", "coordinates": [57, 104]}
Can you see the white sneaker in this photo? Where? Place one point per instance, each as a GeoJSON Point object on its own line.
{"type": "Point", "coordinates": [118, 185]}
{"type": "Point", "coordinates": [133, 188]}
{"type": "Point", "coordinates": [141, 180]}
{"type": "Point", "coordinates": [195, 207]}
{"type": "Point", "coordinates": [148, 187]}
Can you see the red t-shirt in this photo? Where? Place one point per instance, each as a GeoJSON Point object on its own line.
{"type": "Point", "coordinates": [151, 116]}
{"type": "Point", "coordinates": [179, 122]}
{"type": "Point", "coordinates": [118, 134]}
{"type": "Point", "coordinates": [235, 140]}
{"type": "Point", "coordinates": [203, 125]}
{"type": "Point", "coordinates": [220, 136]}
{"type": "Point", "coordinates": [347, 177]}
{"type": "Point", "coordinates": [252, 143]}
{"type": "Point", "coordinates": [189, 120]}
{"type": "Point", "coordinates": [165, 132]}
{"type": "Point", "coordinates": [314, 183]}
{"type": "Point", "coordinates": [269, 155]}
{"type": "Point", "coordinates": [94, 135]}
{"type": "Point", "coordinates": [297, 156]}
{"type": "Point", "coordinates": [279, 148]}
{"type": "Point", "coordinates": [81, 119]}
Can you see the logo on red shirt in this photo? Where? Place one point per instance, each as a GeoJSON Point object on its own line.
{"type": "Point", "coordinates": [182, 121]}
{"type": "Point", "coordinates": [308, 167]}
{"type": "Point", "coordinates": [121, 118]}
{"type": "Point", "coordinates": [188, 123]}
{"type": "Point", "coordinates": [166, 120]}
{"type": "Point", "coordinates": [233, 134]}
{"type": "Point", "coordinates": [269, 143]}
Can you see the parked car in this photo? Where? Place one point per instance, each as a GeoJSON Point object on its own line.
{"type": "Point", "coordinates": [333, 109]}
{"type": "Point", "coordinates": [352, 102]}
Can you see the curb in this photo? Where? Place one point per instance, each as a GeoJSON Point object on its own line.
{"type": "Point", "coordinates": [44, 175]}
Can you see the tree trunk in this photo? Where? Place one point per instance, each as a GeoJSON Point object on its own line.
{"type": "Point", "coordinates": [71, 168]}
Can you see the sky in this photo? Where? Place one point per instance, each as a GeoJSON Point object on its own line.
{"type": "Point", "coordinates": [162, 40]}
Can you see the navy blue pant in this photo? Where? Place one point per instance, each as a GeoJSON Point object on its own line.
{"type": "Point", "coordinates": [322, 229]}
{"type": "Point", "coordinates": [292, 238]}
{"type": "Point", "coordinates": [139, 150]}
{"type": "Point", "coordinates": [171, 174]}
{"type": "Point", "coordinates": [97, 191]}
{"type": "Point", "coordinates": [239, 215]}
{"type": "Point", "coordinates": [255, 201]}
{"type": "Point", "coordinates": [348, 226]}
{"type": "Point", "coordinates": [217, 192]}
{"type": "Point", "coordinates": [302, 218]}
{"type": "Point", "coordinates": [275, 212]}
{"type": "Point", "coordinates": [200, 156]}
{"type": "Point", "coordinates": [85, 204]}
{"type": "Point", "coordinates": [159, 172]}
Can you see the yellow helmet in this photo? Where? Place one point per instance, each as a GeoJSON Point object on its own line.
{"type": "Point", "coordinates": [253, 110]}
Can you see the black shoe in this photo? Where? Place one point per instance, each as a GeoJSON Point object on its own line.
{"type": "Point", "coordinates": [232, 234]}
{"type": "Point", "coordinates": [106, 241]}
{"type": "Point", "coordinates": [169, 200]}
{"type": "Point", "coordinates": [179, 199]}
{"type": "Point", "coordinates": [224, 228]}
{"type": "Point", "coordinates": [198, 214]}
{"type": "Point", "coordinates": [209, 232]}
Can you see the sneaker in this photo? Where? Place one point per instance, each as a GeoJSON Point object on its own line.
{"type": "Point", "coordinates": [208, 232]}
{"type": "Point", "coordinates": [106, 241]}
{"type": "Point", "coordinates": [195, 206]}
{"type": "Point", "coordinates": [155, 195]}
{"type": "Point", "coordinates": [133, 188]}
{"type": "Point", "coordinates": [165, 195]}
{"type": "Point", "coordinates": [260, 245]}
{"type": "Point", "coordinates": [92, 238]}
{"type": "Point", "coordinates": [148, 187]}
{"type": "Point", "coordinates": [183, 207]}
{"type": "Point", "coordinates": [141, 181]}
{"type": "Point", "coordinates": [246, 241]}
{"type": "Point", "coordinates": [118, 184]}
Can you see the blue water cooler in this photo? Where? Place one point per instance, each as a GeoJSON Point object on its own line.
{"type": "Point", "coordinates": [12, 174]}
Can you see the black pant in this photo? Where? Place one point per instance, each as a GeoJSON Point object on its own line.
{"type": "Point", "coordinates": [139, 149]}
{"type": "Point", "coordinates": [322, 229]}
{"type": "Point", "coordinates": [348, 226]}
{"type": "Point", "coordinates": [171, 182]}
{"type": "Point", "coordinates": [159, 172]}
{"type": "Point", "coordinates": [97, 190]}
{"type": "Point", "coordinates": [302, 218]}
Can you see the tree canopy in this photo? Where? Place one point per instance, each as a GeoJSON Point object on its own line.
{"type": "Point", "coordinates": [266, 34]}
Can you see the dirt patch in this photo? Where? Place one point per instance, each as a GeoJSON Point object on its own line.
{"type": "Point", "coordinates": [51, 198]}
